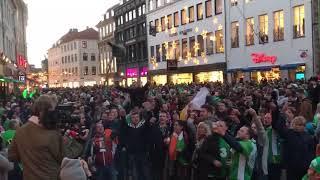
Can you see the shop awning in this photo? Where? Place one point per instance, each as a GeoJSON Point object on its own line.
{"type": "Point", "coordinates": [291, 66]}
{"type": "Point", "coordinates": [7, 79]}
{"type": "Point", "coordinates": [260, 68]}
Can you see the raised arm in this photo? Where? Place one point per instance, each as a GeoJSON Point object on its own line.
{"type": "Point", "coordinates": [278, 122]}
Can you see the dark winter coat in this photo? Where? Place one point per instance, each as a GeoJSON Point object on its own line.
{"type": "Point", "coordinates": [300, 146]}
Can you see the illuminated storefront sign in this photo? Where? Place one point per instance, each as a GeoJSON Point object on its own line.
{"type": "Point", "coordinates": [262, 58]}
{"type": "Point", "coordinates": [22, 62]}
{"type": "Point", "coordinates": [144, 71]}
{"type": "Point", "coordinates": [132, 72]}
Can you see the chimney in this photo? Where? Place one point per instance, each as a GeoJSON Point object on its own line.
{"type": "Point", "coordinates": [75, 30]}
{"type": "Point", "coordinates": [87, 27]}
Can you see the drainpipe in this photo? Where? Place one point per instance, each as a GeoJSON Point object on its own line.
{"type": "Point", "coordinates": [225, 40]}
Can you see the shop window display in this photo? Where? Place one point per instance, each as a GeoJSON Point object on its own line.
{"type": "Point", "coordinates": [273, 74]}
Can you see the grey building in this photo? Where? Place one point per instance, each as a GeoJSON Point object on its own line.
{"type": "Point", "coordinates": [131, 33]}
{"type": "Point", "coordinates": [107, 62]}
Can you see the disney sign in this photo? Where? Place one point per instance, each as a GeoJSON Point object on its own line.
{"type": "Point", "coordinates": [262, 58]}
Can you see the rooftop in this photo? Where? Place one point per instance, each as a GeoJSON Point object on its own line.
{"type": "Point", "coordinates": [73, 34]}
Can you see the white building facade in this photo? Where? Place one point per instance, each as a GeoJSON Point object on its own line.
{"type": "Point", "coordinates": [269, 39]}
{"type": "Point", "coordinates": [73, 61]}
{"type": "Point", "coordinates": [186, 41]}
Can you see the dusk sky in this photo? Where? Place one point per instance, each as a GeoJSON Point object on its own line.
{"type": "Point", "coordinates": [48, 20]}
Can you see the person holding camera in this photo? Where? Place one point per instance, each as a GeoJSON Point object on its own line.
{"type": "Point", "coordinates": [38, 144]}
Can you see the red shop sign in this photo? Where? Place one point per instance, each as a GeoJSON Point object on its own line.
{"type": "Point", "coordinates": [262, 58]}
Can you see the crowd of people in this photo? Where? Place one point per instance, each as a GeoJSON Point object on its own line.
{"type": "Point", "coordinates": [211, 131]}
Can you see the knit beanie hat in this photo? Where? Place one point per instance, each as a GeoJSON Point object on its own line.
{"type": "Point", "coordinates": [71, 169]}
{"type": "Point", "coordinates": [315, 164]}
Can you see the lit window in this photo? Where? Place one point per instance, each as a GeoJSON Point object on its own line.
{"type": "Point", "coordinates": [143, 9]}
{"type": "Point", "coordinates": [218, 7]}
{"type": "Point", "coordinates": [192, 41]}
{"type": "Point", "coordinates": [130, 15]}
{"type": "Point", "coordinates": [169, 18]}
{"type": "Point", "coordinates": [176, 19]}
{"type": "Point", "coordinates": [278, 32]}
{"type": "Point", "coordinates": [163, 23]}
{"type": "Point", "coordinates": [201, 45]}
{"type": "Point", "coordinates": [249, 31]}
{"type": "Point", "coordinates": [209, 43]}
{"type": "Point", "coordinates": [199, 12]}
{"type": "Point", "coordinates": [183, 17]}
{"type": "Point", "coordinates": [134, 14]}
{"type": "Point", "coordinates": [263, 29]}
{"type": "Point", "coordinates": [191, 14]}
{"type": "Point", "coordinates": [235, 34]}
{"type": "Point", "coordinates": [299, 23]}
{"type": "Point", "coordinates": [158, 27]}
{"type": "Point", "coordinates": [208, 8]}
{"type": "Point", "coordinates": [164, 52]}
{"type": "Point", "coordinates": [140, 11]}
{"type": "Point", "coordinates": [219, 42]}
{"type": "Point", "coordinates": [158, 3]}
{"type": "Point", "coordinates": [177, 49]}
{"type": "Point", "coordinates": [184, 48]}
{"type": "Point", "coordinates": [158, 57]}
{"type": "Point", "coordinates": [150, 5]}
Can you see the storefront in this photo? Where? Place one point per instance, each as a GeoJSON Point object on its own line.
{"type": "Point", "coordinates": [159, 79]}
{"type": "Point", "coordinates": [144, 75]}
{"type": "Point", "coordinates": [264, 66]}
{"type": "Point", "coordinates": [132, 75]}
{"type": "Point", "coordinates": [212, 76]}
{"type": "Point", "coordinates": [183, 78]}
{"type": "Point", "coordinates": [189, 74]}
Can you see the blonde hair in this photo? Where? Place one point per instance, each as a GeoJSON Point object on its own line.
{"type": "Point", "coordinates": [206, 126]}
{"type": "Point", "coordinates": [298, 123]}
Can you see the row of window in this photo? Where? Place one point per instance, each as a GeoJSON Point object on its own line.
{"type": "Point", "coordinates": [69, 59]}
{"type": "Point", "coordinates": [132, 32]}
{"type": "Point", "coordinates": [70, 71]}
{"type": "Point", "coordinates": [187, 15]}
{"type": "Point", "coordinates": [85, 57]}
{"type": "Point", "coordinates": [93, 70]}
{"type": "Point", "coordinates": [74, 71]}
{"type": "Point", "coordinates": [107, 29]}
{"type": "Point", "coordinates": [137, 51]}
{"type": "Point", "coordinates": [263, 34]}
{"type": "Point", "coordinates": [108, 14]}
{"type": "Point", "coordinates": [72, 46]}
{"type": "Point", "coordinates": [198, 46]}
{"type": "Point", "coordinates": [131, 15]}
